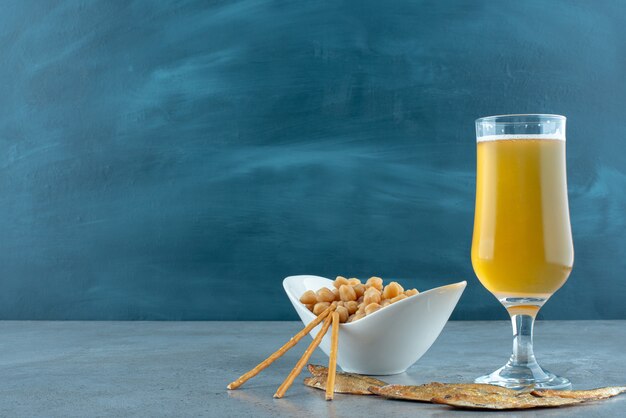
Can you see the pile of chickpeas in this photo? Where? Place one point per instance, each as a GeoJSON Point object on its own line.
{"type": "Point", "coordinates": [354, 299]}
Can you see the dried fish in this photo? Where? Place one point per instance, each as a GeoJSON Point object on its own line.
{"type": "Point", "coordinates": [587, 395]}
{"type": "Point", "coordinates": [350, 383]}
{"type": "Point", "coordinates": [460, 395]}
{"type": "Point", "coordinates": [424, 393]}
{"type": "Point", "coordinates": [316, 370]}
{"type": "Point", "coordinates": [501, 401]}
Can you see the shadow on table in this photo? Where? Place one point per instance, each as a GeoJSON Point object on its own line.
{"type": "Point", "coordinates": [270, 406]}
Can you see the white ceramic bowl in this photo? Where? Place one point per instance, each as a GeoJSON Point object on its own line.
{"type": "Point", "coordinates": [390, 340]}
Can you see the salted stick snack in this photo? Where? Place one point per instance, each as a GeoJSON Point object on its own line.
{"type": "Point", "coordinates": [282, 350]}
{"type": "Point", "coordinates": [332, 362]}
{"type": "Point", "coordinates": [280, 392]}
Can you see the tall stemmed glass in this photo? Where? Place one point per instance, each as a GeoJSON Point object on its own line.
{"type": "Point", "coordinates": [522, 249]}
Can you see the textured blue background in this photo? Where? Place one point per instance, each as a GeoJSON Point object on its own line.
{"type": "Point", "coordinates": [176, 161]}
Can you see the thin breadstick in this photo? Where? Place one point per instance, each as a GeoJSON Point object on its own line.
{"type": "Point", "coordinates": [282, 350]}
{"type": "Point", "coordinates": [304, 359]}
{"type": "Point", "coordinates": [332, 362]}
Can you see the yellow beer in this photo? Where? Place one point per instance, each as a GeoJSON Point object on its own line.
{"type": "Point", "coordinates": [522, 243]}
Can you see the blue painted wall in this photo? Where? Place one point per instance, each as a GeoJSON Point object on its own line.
{"type": "Point", "coordinates": [176, 161]}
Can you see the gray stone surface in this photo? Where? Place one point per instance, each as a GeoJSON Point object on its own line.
{"type": "Point", "coordinates": [181, 368]}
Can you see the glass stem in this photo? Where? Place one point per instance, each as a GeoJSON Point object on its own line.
{"type": "Point", "coordinates": [523, 354]}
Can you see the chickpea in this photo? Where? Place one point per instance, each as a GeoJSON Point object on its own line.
{"type": "Point", "coordinates": [371, 308]}
{"type": "Point", "coordinates": [347, 293]}
{"type": "Point", "coordinates": [325, 295]}
{"type": "Point", "coordinates": [411, 292]}
{"type": "Point", "coordinates": [375, 282]}
{"type": "Point", "coordinates": [392, 290]}
{"type": "Point", "coordinates": [352, 306]}
{"type": "Point", "coordinates": [372, 295]}
{"type": "Point", "coordinates": [354, 300]}
{"type": "Point", "coordinates": [343, 314]}
{"type": "Point", "coordinates": [340, 280]}
{"type": "Point", "coordinates": [356, 317]}
{"type": "Point", "coordinates": [399, 297]}
{"type": "Point", "coordinates": [359, 289]}
{"type": "Point", "coordinates": [320, 307]}
{"type": "Point", "coordinates": [308, 297]}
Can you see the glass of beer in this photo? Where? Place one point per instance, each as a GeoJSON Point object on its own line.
{"type": "Point", "coordinates": [522, 249]}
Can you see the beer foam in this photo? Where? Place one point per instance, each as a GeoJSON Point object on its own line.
{"type": "Point", "coordinates": [558, 136]}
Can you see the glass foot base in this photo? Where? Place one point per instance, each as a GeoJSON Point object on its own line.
{"type": "Point", "coordinates": [524, 377]}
